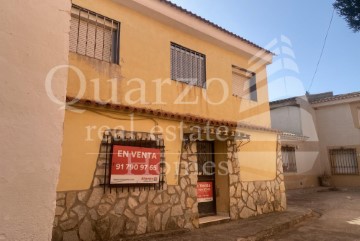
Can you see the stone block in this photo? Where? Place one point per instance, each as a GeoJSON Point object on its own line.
{"type": "Point", "coordinates": [143, 196]}
{"type": "Point", "coordinates": [86, 231]}
{"type": "Point", "coordinates": [158, 199]}
{"type": "Point", "coordinates": [69, 224]}
{"type": "Point", "coordinates": [70, 236]}
{"type": "Point", "coordinates": [81, 211]}
{"type": "Point", "coordinates": [157, 222]}
{"type": "Point", "coordinates": [132, 202]}
{"type": "Point", "coordinates": [70, 199]}
{"type": "Point", "coordinates": [95, 197]}
{"type": "Point", "coordinates": [189, 202]}
{"type": "Point", "coordinates": [103, 209]}
{"type": "Point", "coordinates": [176, 211]}
{"type": "Point", "coordinates": [165, 219]}
{"type": "Point", "coordinates": [141, 210]}
{"type": "Point", "coordinates": [83, 196]}
{"type": "Point", "coordinates": [123, 194]}
{"type": "Point", "coordinates": [129, 215]}
{"type": "Point", "coordinates": [142, 225]}
{"type": "Point", "coordinates": [120, 206]}
{"type": "Point", "coordinates": [59, 210]}
{"type": "Point", "coordinates": [117, 225]}
{"type": "Point", "coordinates": [246, 212]}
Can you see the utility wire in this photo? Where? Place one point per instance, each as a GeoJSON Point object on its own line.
{"type": "Point", "coordinates": [322, 51]}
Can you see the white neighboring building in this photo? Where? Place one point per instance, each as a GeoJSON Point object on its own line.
{"type": "Point", "coordinates": [321, 136]}
{"type": "Point", "coordinates": [34, 39]}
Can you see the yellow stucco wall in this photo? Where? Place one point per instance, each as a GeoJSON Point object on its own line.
{"type": "Point", "coordinates": [83, 132]}
{"type": "Point", "coordinates": [258, 157]}
{"type": "Point", "coordinates": [145, 55]}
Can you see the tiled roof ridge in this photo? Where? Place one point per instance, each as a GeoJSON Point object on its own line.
{"type": "Point", "coordinates": [283, 100]}
{"type": "Point", "coordinates": [336, 97]}
{"type": "Point", "coordinates": [170, 115]}
{"type": "Point", "coordinates": [213, 24]}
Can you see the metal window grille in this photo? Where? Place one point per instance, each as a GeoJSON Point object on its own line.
{"type": "Point", "coordinates": [114, 137]}
{"type": "Point", "coordinates": [188, 66]}
{"type": "Point", "coordinates": [94, 35]}
{"type": "Point", "coordinates": [343, 161]}
{"type": "Point", "coordinates": [244, 83]}
{"type": "Point", "coordinates": [288, 158]}
{"type": "Point", "coordinates": [205, 156]}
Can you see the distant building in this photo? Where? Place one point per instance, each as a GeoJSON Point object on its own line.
{"type": "Point", "coordinates": [321, 135]}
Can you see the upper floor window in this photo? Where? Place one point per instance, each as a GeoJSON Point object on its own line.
{"type": "Point", "coordinates": [94, 35]}
{"type": "Point", "coordinates": [244, 83]}
{"type": "Point", "coordinates": [288, 158]}
{"type": "Point", "coordinates": [343, 161]}
{"type": "Point", "coordinates": [188, 66]}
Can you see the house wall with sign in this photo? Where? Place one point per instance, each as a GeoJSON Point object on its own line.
{"type": "Point", "coordinates": [136, 100]}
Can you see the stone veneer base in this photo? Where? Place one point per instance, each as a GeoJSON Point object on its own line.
{"type": "Point", "coordinates": [93, 214]}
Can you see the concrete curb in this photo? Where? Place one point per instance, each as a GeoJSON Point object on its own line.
{"type": "Point", "coordinates": [280, 227]}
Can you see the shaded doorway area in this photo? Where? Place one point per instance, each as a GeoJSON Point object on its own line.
{"type": "Point", "coordinates": [206, 179]}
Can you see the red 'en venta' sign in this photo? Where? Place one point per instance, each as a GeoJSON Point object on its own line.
{"type": "Point", "coordinates": [134, 165]}
{"type": "Point", "coordinates": [205, 192]}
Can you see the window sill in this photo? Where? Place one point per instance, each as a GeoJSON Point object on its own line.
{"type": "Point", "coordinates": [241, 98]}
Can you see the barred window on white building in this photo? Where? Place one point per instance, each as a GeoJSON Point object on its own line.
{"type": "Point", "coordinates": [244, 83]}
{"type": "Point", "coordinates": [188, 66]}
{"type": "Point", "coordinates": [344, 161]}
{"type": "Point", "coordinates": [94, 35]}
{"type": "Point", "coordinates": [288, 158]}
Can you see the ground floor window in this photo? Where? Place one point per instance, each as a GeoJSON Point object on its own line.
{"type": "Point", "coordinates": [343, 161]}
{"type": "Point", "coordinates": [288, 157]}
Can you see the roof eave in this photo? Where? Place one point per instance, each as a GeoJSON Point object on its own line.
{"type": "Point", "coordinates": [177, 17]}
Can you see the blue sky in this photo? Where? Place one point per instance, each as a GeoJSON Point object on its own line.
{"type": "Point", "coordinates": [298, 30]}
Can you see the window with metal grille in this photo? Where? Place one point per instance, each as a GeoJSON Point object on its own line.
{"type": "Point", "coordinates": [343, 161]}
{"type": "Point", "coordinates": [188, 66]}
{"type": "Point", "coordinates": [244, 83]}
{"type": "Point", "coordinates": [94, 35]}
{"type": "Point", "coordinates": [288, 158]}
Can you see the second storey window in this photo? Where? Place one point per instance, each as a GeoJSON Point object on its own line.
{"type": "Point", "coordinates": [94, 35]}
{"type": "Point", "coordinates": [244, 83]}
{"type": "Point", "coordinates": [188, 66]}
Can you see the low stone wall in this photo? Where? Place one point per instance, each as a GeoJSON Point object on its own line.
{"type": "Point", "coordinates": [97, 215]}
{"type": "Point", "coordinates": [253, 198]}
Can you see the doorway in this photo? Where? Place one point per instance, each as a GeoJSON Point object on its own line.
{"type": "Point", "coordinates": [206, 179]}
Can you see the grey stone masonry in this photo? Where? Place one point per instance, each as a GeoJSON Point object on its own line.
{"type": "Point", "coordinates": [93, 214]}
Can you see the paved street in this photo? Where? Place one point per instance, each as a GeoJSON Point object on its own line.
{"type": "Point", "coordinates": [339, 219]}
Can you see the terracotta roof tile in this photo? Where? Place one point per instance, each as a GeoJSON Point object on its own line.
{"type": "Point", "coordinates": [170, 115]}
{"type": "Point", "coordinates": [336, 97]}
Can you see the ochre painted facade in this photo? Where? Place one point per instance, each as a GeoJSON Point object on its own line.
{"type": "Point", "coordinates": [145, 55]}
{"type": "Point", "coordinates": [253, 181]}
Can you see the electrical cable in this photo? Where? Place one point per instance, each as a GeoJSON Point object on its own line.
{"type": "Point", "coordinates": [322, 51]}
